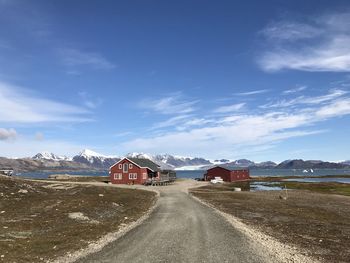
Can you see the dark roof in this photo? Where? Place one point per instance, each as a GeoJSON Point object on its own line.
{"type": "Point", "coordinates": [142, 162]}
{"type": "Point", "coordinates": [230, 168]}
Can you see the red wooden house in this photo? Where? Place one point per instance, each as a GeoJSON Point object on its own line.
{"type": "Point", "coordinates": [227, 174]}
{"type": "Point", "coordinates": [133, 171]}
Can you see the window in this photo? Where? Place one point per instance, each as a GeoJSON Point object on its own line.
{"type": "Point", "coordinates": [125, 168]}
{"type": "Point", "coordinates": [130, 166]}
{"type": "Point", "coordinates": [118, 176]}
{"type": "Point", "coordinates": [132, 176]}
{"type": "Point", "coordinates": [144, 175]}
{"type": "Point", "coordinates": [120, 166]}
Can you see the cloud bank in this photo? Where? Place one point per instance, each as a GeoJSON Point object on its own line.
{"type": "Point", "coordinates": [18, 105]}
{"type": "Point", "coordinates": [318, 44]}
{"type": "Point", "coordinates": [7, 134]}
{"type": "Point", "coordinates": [225, 132]}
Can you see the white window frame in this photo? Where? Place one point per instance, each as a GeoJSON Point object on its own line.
{"type": "Point", "coordinates": [144, 175]}
{"type": "Point", "coordinates": [120, 166]}
{"type": "Point", "coordinates": [125, 165]}
{"type": "Point", "coordinates": [118, 176]}
{"type": "Point", "coordinates": [130, 165]}
{"type": "Point", "coordinates": [132, 176]}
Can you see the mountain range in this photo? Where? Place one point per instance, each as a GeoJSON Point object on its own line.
{"type": "Point", "coordinates": [90, 160]}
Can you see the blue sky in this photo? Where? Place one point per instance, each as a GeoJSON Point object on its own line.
{"type": "Point", "coordinates": [263, 80]}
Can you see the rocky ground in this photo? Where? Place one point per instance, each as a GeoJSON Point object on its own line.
{"type": "Point", "coordinates": [41, 221]}
{"type": "Point", "coordinates": [317, 224]}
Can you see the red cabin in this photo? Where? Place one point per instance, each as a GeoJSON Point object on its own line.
{"type": "Point", "coordinates": [228, 175]}
{"type": "Point", "coordinates": [133, 171]}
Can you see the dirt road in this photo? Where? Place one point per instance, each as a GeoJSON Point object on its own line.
{"type": "Point", "coordinates": [182, 229]}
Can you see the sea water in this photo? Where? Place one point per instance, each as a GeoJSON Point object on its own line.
{"type": "Point", "coordinates": [200, 173]}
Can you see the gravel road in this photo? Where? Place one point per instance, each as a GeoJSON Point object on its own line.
{"type": "Point", "coordinates": [181, 229]}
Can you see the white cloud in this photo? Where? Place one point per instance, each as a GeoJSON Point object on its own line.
{"type": "Point", "coordinates": [232, 133]}
{"type": "Point", "coordinates": [173, 104]}
{"type": "Point", "coordinates": [89, 101]}
{"type": "Point", "coordinates": [247, 131]}
{"type": "Point", "coordinates": [253, 92]}
{"type": "Point", "coordinates": [19, 106]}
{"type": "Point", "coordinates": [39, 136]}
{"type": "Point", "coordinates": [7, 134]}
{"type": "Point", "coordinates": [28, 146]}
{"type": "Point", "coordinates": [323, 45]}
{"type": "Point", "coordinates": [170, 122]}
{"type": "Point", "coordinates": [290, 31]}
{"type": "Point", "coordinates": [336, 108]}
{"type": "Point", "coordinates": [294, 90]}
{"type": "Point", "coordinates": [332, 94]}
{"type": "Point", "coordinates": [230, 108]}
{"type": "Point", "coordinates": [74, 58]}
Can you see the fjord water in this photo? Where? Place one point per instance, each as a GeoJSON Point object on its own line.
{"type": "Point", "coordinates": [273, 172]}
{"type": "Point", "coordinates": [199, 173]}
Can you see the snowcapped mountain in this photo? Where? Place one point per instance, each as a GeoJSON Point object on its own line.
{"type": "Point", "coordinates": [95, 159]}
{"type": "Point", "coordinates": [167, 161]}
{"type": "Point", "coordinates": [90, 160]}
{"type": "Point", "coordinates": [241, 163]}
{"type": "Point", "coordinates": [50, 156]}
{"type": "Point", "coordinates": [87, 158]}
{"type": "Point", "coordinates": [346, 162]}
{"type": "Point", "coordinates": [221, 161]}
{"type": "Point", "coordinates": [308, 164]}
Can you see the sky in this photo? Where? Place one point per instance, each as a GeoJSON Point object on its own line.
{"type": "Point", "coordinates": [262, 80]}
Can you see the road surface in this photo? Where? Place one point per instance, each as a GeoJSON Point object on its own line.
{"type": "Point", "coordinates": [180, 229]}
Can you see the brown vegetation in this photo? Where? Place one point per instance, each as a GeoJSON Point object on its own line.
{"type": "Point", "coordinates": [317, 223]}
{"type": "Point", "coordinates": [42, 221]}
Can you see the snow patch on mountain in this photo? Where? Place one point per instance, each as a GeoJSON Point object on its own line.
{"type": "Point", "coordinates": [50, 156]}
{"type": "Point", "coordinates": [191, 168]}
{"type": "Point", "coordinates": [95, 159]}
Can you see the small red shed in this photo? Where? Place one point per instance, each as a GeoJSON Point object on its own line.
{"type": "Point", "coordinates": [133, 171]}
{"type": "Point", "coordinates": [227, 174]}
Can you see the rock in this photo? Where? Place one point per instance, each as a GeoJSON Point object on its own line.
{"type": "Point", "coordinates": [2, 212]}
{"type": "Point", "coordinates": [100, 195]}
{"type": "Point", "coordinates": [81, 217]}
{"type": "Point", "coordinates": [23, 191]}
{"type": "Point", "coordinates": [78, 216]}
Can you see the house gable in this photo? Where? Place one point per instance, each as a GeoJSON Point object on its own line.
{"type": "Point", "coordinates": [141, 163]}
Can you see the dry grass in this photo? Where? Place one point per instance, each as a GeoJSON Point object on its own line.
{"type": "Point", "coordinates": [313, 221]}
{"type": "Point", "coordinates": [37, 224]}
